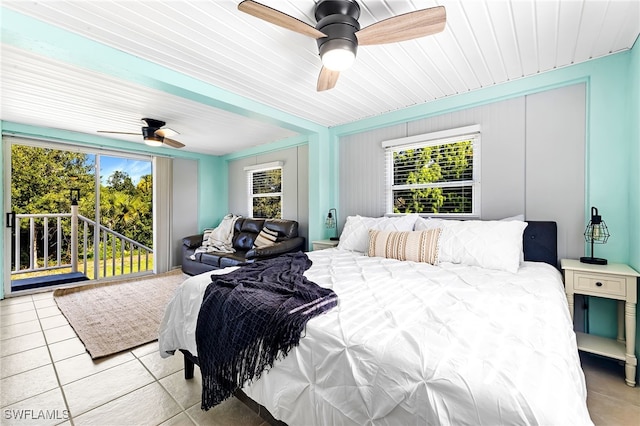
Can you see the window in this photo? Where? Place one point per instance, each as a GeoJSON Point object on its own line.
{"type": "Point", "coordinates": [434, 174]}
{"type": "Point", "coordinates": [265, 190]}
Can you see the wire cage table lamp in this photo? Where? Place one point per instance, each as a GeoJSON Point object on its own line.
{"type": "Point", "coordinates": [332, 222]}
{"type": "Point", "coordinates": [596, 233]}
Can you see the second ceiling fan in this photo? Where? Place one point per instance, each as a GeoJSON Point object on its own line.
{"type": "Point", "coordinates": [154, 133]}
{"type": "Point", "coordinates": [338, 32]}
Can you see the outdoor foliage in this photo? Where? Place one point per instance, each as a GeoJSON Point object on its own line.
{"type": "Point", "coordinates": [267, 184]}
{"type": "Point", "coordinates": [41, 181]}
{"type": "Point", "coordinates": [126, 208]}
{"type": "Point", "coordinates": [42, 178]}
{"type": "Point", "coordinates": [425, 168]}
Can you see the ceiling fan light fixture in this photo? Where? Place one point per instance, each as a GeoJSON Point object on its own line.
{"type": "Point", "coordinates": [154, 141]}
{"type": "Point", "coordinates": [338, 55]}
{"type": "Point", "coordinates": [150, 137]}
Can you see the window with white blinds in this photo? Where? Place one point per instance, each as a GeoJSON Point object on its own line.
{"type": "Point", "coordinates": [265, 190]}
{"type": "Point", "coordinates": [436, 174]}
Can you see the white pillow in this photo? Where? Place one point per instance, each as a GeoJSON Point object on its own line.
{"type": "Point", "coordinates": [355, 235]}
{"type": "Point", "coordinates": [518, 217]}
{"type": "Point", "coordinates": [430, 223]}
{"type": "Point", "coordinates": [490, 244]}
{"type": "Point", "coordinates": [424, 223]}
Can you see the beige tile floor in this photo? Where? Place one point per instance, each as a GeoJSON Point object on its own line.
{"type": "Point", "coordinates": [47, 378]}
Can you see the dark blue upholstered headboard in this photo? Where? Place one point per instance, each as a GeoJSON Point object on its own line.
{"type": "Point", "coordinates": [540, 242]}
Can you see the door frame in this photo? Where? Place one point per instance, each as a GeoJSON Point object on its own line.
{"type": "Point", "coordinates": [7, 142]}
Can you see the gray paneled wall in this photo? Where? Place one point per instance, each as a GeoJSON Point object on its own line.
{"type": "Point", "coordinates": [532, 161]}
{"type": "Point", "coordinates": [361, 169]}
{"type": "Point", "coordinates": [295, 184]}
{"type": "Point", "coordinates": [185, 205]}
{"type": "Point", "coordinates": [555, 168]}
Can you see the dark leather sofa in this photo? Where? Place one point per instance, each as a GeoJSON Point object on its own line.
{"type": "Point", "coordinates": [245, 232]}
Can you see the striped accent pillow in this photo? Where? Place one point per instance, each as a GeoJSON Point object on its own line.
{"type": "Point", "coordinates": [265, 238]}
{"type": "Point", "coordinates": [416, 246]}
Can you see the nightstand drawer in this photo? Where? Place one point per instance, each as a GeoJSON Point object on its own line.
{"type": "Point", "coordinates": [609, 285]}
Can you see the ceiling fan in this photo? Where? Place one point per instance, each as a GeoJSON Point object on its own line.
{"type": "Point", "coordinates": [338, 32]}
{"type": "Point", "coordinates": [154, 133]}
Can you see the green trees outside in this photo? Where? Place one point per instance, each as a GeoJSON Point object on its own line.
{"type": "Point", "coordinates": [126, 208]}
{"type": "Point", "coordinates": [267, 185]}
{"type": "Point", "coordinates": [419, 174]}
{"type": "Point", "coordinates": [41, 180]}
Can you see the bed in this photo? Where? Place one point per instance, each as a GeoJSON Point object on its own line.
{"type": "Point", "coordinates": [411, 343]}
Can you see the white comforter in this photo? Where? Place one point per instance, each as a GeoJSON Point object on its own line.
{"type": "Point", "coordinates": [415, 344]}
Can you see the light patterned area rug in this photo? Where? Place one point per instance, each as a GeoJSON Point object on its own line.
{"type": "Point", "coordinates": [120, 315]}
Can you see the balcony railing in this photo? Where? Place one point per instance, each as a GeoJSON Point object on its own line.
{"type": "Point", "coordinates": [108, 252]}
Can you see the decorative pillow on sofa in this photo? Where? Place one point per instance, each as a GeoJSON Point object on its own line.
{"type": "Point", "coordinates": [490, 244]}
{"type": "Point", "coordinates": [355, 235]}
{"type": "Point", "coordinates": [265, 238]}
{"type": "Point", "coordinates": [416, 246]}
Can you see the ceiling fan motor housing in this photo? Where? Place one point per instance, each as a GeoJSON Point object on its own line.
{"type": "Point", "coordinates": [151, 122]}
{"type": "Point", "coordinates": [338, 19]}
{"type": "Point", "coordinates": [149, 133]}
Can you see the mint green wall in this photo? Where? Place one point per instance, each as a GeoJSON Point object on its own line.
{"type": "Point", "coordinates": [213, 188]}
{"type": "Point", "coordinates": [634, 165]}
{"type": "Point", "coordinates": [634, 159]}
{"type": "Point", "coordinates": [614, 151]}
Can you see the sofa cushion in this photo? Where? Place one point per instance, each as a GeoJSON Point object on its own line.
{"type": "Point", "coordinates": [192, 241]}
{"type": "Point", "coordinates": [243, 241]}
{"type": "Point", "coordinates": [245, 237]}
{"type": "Point", "coordinates": [286, 228]}
{"type": "Point", "coordinates": [252, 225]}
{"type": "Point", "coordinates": [232, 259]}
{"type": "Point", "coordinates": [212, 259]}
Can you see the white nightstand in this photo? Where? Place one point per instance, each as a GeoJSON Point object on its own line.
{"type": "Point", "coordinates": [323, 244]}
{"type": "Point", "coordinates": [613, 281]}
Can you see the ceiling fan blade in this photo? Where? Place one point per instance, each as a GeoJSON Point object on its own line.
{"type": "Point", "coordinates": [403, 27]}
{"type": "Point", "coordinates": [173, 143]}
{"type": "Point", "coordinates": [119, 133]}
{"type": "Point", "coordinates": [166, 132]}
{"type": "Point", "coordinates": [327, 79]}
{"type": "Point", "coordinates": [278, 18]}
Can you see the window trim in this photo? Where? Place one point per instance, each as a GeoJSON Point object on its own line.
{"type": "Point", "coordinates": [430, 139]}
{"type": "Point", "coordinates": [250, 170]}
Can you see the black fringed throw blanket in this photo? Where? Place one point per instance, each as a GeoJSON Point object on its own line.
{"type": "Point", "coordinates": [252, 316]}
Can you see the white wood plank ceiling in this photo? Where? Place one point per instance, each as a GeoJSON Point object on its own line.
{"type": "Point", "coordinates": [485, 42]}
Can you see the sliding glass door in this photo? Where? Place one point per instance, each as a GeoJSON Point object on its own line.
{"type": "Point", "coordinates": [74, 214]}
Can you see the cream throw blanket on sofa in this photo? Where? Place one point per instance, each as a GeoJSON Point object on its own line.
{"type": "Point", "coordinates": [219, 239]}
